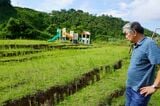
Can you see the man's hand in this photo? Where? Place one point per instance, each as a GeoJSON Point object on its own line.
{"type": "Point", "coordinates": [147, 90]}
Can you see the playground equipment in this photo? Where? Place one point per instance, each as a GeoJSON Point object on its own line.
{"type": "Point", "coordinates": [75, 38]}
{"type": "Point", "coordinates": [71, 36]}
{"type": "Point", "coordinates": [58, 35]}
{"type": "Point", "coordinates": [67, 35]}
{"type": "Point", "coordinates": [85, 37]}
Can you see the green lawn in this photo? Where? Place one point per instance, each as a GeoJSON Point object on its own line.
{"type": "Point", "coordinates": [55, 67]}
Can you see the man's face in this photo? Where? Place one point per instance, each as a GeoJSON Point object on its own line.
{"type": "Point", "coordinates": [130, 36]}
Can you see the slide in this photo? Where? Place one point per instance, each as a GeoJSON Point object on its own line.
{"type": "Point", "coordinates": [54, 38]}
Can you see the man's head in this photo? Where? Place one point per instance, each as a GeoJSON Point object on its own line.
{"type": "Point", "coordinates": [133, 31]}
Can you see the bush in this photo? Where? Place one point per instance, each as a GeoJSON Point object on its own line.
{"type": "Point", "coordinates": [20, 29]}
{"type": "Point", "coordinates": [2, 35]}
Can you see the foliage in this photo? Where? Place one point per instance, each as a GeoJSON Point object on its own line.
{"type": "Point", "coordinates": [6, 11]}
{"type": "Point", "coordinates": [101, 27]}
{"type": "Point", "coordinates": [20, 29]}
{"type": "Point", "coordinates": [5, 2]}
{"type": "Point", "coordinates": [38, 20]}
{"type": "Point", "coordinates": [51, 29]}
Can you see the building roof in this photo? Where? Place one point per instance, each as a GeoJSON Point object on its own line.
{"type": "Point", "coordinates": [86, 33]}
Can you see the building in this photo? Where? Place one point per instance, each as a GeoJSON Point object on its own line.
{"type": "Point", "coordinates": [85, 37]}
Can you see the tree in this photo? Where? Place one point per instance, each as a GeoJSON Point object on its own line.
{"type": "Point", "coordinates": [5, 2]}
{"type": "Point", "coordinates": [52, 29]}
{"type": "Point", "coordinates": [15, 28]}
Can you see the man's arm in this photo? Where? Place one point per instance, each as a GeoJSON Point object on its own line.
{"type": "Point", "coordinates": [157, 80]}
{"type": "Point", "coordinates": [151, 89]}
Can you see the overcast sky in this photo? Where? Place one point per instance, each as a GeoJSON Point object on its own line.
{"type": "Point", "coordinates": [147, 12]}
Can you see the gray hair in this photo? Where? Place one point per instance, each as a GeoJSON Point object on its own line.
{"type": "Point", "coordinates": [132, 27]}
{"type": "Point", "coordinates": [127, 28]}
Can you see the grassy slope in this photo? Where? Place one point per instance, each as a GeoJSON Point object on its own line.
{"type": "Point", "coordinates": [35, 71]}
{"type": "Point", "coordinates": [95, 94]}
{"type": "Point", "coordinates": [59, 68]}
{"type": "Point", "coordinates": [32, 17]}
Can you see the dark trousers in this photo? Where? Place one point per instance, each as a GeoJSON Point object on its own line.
{"type": "Point", "coordinates": [134, 98]}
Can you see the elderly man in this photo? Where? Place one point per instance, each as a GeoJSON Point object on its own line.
{"type": "Point", "coordinates": [140, 84]}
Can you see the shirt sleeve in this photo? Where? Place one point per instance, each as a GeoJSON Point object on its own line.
{"type": "Point", "coordinates": [154, 53]}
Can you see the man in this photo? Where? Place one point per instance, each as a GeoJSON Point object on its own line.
{"type": "Point", "coordinates": [145, 56]}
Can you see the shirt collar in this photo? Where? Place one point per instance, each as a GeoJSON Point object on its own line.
{"type": "Point", "coordinates": [139, 43]}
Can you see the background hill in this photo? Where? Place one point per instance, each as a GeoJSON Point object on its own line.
{"type": "Point", "coordinates": [25, 23]}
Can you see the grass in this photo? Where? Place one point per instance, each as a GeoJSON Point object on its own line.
{"type": "Point", "coordinates": [97, 93]}
{"type": "Point", "coordinates": [60, 67]}
{"type": "Point", "coordinates": [19, 41]}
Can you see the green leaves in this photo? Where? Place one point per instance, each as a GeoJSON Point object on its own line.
{"type": "Point", "coordinates": [5, 2]}
{"type": "Point", "coordinates": [30, 21]}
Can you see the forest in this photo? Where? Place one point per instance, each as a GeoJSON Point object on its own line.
{"type": "Point", "coordinates": [25, 23]}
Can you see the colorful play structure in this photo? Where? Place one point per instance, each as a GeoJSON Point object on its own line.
{"type": "Point", "coordinates": [63, 35]}
{"type": "Point", "coordinates": [57, 36]}
{"type": "Point", "coordinates": [85, 37]}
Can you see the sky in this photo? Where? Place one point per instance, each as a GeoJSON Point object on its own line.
{"type": "Point", "coordinates": [147, 12]}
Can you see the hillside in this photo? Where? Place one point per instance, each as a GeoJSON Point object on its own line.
{"type": "Point", "coordinates": [25, 23]}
